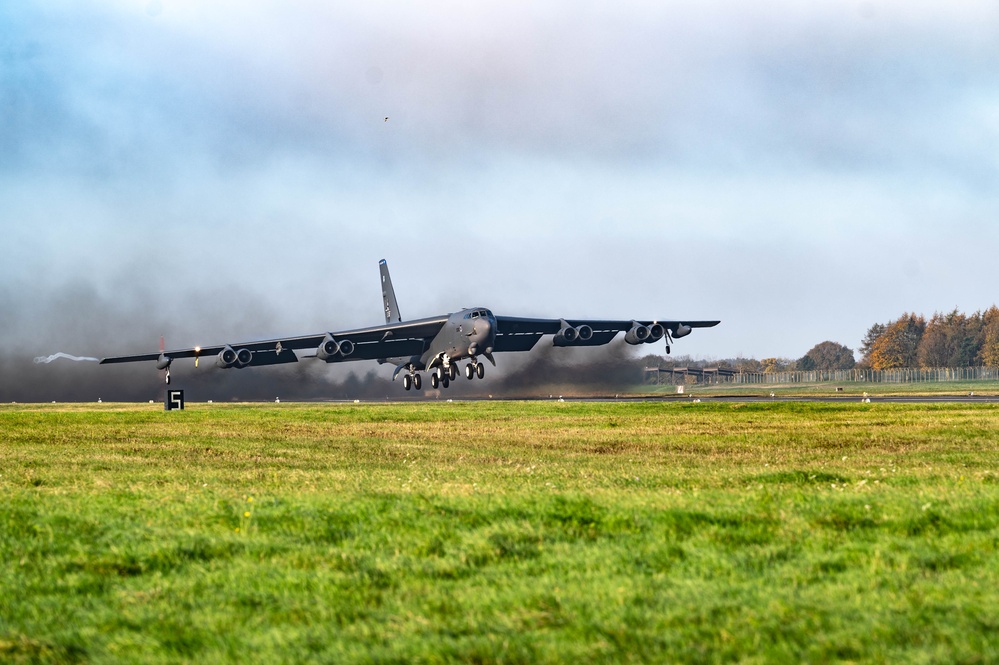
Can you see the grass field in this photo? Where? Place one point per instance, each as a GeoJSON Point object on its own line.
{"type": "Point", "coordinates": [845, 389]}
{"type": "Point", "coordinates": [500, 532]}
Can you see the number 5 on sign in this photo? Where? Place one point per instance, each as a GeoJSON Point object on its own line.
{"type": "Point", "coordinates": [174, 400]}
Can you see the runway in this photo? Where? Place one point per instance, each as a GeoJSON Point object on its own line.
{"type": "Point", "coordinates": [832, 399]}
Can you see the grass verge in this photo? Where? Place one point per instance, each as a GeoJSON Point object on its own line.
{"type": "Point", "coordinates": [500, 532]}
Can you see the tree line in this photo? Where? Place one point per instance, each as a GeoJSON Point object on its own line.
{"type": "Point", "coordinates": [911, 341]}
{"type": "Point", "coordinates": [945, 340]}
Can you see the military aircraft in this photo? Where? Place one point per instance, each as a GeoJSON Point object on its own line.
{"type": "Point", "coordinates": [435, 345]}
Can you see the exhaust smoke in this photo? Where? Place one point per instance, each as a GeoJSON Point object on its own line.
{"type": "Point", "coordinates": [55, 356]}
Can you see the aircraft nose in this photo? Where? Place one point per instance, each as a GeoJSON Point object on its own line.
{"type": "Point", "coordinates": [482, 332]}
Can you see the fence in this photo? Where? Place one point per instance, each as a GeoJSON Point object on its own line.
{"type": "Point", "coordinates": [673, 375]}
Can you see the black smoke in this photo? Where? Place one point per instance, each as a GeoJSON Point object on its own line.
{"type": "Point", "coordinates": [79, 320]}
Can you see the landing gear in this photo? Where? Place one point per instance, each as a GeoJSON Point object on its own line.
{"type": "Point", "coordinates": [407, 382]}
{"type": "Point", "coordinates": [480, 370]}
{"type": "Point", "coordinates": [469, 371]}
{"type": "Point", "coordinates": [441, 378]}
{"type": "Point", "coordinates": [452, 372]}
{"type": "Point", "coordinates": [417, 381]}
{"type": "Point", "coordinates": [168, 376]}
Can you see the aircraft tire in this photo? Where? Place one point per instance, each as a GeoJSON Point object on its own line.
{"type": "Point", "coordinates": [407, 382]}
{"type": "Point", "coordinates": [469, 371]}
{"type": "Point", "coordinates": [452, 372]}
{"type": "Point", "coordinates": [480, 370]}
{"type": "Point", "coordinates": [417, 381]}
{"type": "Point", "coordinates": [445, 382]}
{"type": "Point", "coordinates": [434, 381]}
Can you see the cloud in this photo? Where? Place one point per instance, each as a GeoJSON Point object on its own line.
{"type": "Point", "coordinates": [226, 168]}
{"type": "Point", "coordinates": [717, 85]}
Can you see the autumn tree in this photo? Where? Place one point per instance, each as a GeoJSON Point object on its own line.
{"type": "Point", "coordinates": [951, 340]}
{"type": "Point", "coordinates": [971, 342]}
{"type": "Point", "coordinates": [939, 341]}
{"type": "Point", "coordinates": [897, 346]}
{"type": "Point", "coordinates": [827, 355]}
{"type": "Point", "coordinates": [774, 365]}
{"type": "Point", "coordinates": [873, 333]}
{"type": "Point", "coordinates": [988, 352]}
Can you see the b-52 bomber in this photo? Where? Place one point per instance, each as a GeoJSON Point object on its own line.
{"type": "Point", "coordinates": [436, 345]}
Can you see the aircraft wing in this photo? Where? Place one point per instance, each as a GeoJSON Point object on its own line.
{"type": "Point", "coordinates": [521, 333]}
{"type": "Point", "coordinates": [384, 341]}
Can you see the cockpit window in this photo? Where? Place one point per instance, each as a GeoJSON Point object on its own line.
{"type": "Point", "coordinates": [478, 314]}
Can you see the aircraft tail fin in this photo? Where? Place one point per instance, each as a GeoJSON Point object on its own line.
{"type": "Point", "coordinates": [388, 295]}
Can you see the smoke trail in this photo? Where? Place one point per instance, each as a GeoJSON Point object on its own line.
{"type": "Point", "coordinates": [47, 359]}
{"type": "Point", "coordinates": [38, 321]}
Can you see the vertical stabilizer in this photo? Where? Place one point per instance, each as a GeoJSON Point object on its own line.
{"type": "Point", "coordinates": [388, 295]}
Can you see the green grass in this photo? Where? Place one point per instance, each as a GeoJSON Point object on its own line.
{"type": "Point", "coordinates": [848, 389]}
{"type": "Point", "coordinates": [500, 532]}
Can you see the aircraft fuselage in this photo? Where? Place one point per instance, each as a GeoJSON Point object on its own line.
{"type": "Point", "coordinates": [434, 345]}
{"type": "Point", "coordinates": [467, 334]}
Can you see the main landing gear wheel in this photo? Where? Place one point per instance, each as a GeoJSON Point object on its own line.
{"type": "Point", "coordinates": [480, 370]}
{"type": "Point", "coordinates": [445, 381]}
{"type": "Point", "coordinates": [417, 381]}
{"type": "Point", "coordinates": [452, 372]}
{"type": "Point", "coordinates": [469, 371]}
{"type": "Point", "coordinates": [407, 382]}
{"type": "Point", "coordinates": [435, 382]}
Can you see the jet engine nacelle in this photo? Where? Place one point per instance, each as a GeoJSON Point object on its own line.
{"type": "Point", "coordinates": [681, 331]}
{"type": "Point", "coordinates": [163, 362]}
{"type": "Point", "coordinates": [331, 348]}
{"type": "Point", "coordinates": [656, 332]}
{"type": "Point", "coordinates": [637, 334]}
{"type": "Point", "coordinates": [328, 348]}
{"type": "Point", "coordinates": [244, 357]}
{"type": "Point", "coordinates": [227, 357]}
{"type": "Point", "coordinates": [569, 336]}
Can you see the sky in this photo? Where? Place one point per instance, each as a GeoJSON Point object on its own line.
{"type": "Point", "coordinates": [229, 170]}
